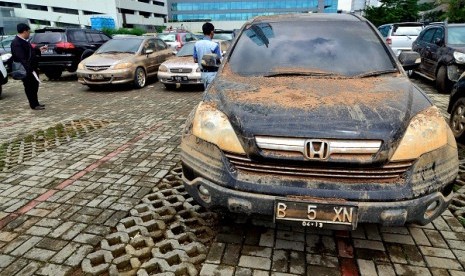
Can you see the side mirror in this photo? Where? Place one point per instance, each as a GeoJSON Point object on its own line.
{"type": "Point", "coordinates": [174, 52]}
{"type": "Point", "coordinates": [223, 53]}
{"type": "Point", "coordinates": [438, 41]}
{"type": "Point", "coordinates": [409, 60]}
{"type": "Point", "coordinates": [148, 51]}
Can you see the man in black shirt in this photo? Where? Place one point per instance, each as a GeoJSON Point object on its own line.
{"type": "Point", "coordinates": [24, 53]}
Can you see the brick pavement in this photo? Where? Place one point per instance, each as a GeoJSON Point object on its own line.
{"type": "Point", "coordinates": [76, 201]}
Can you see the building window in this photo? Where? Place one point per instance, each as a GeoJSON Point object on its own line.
{"type": "Point", "coordinates": [157, 3]}
{"type": "Point", "coordinates": [145, 1]}
{"type": "Point", "coordinates": [37, 7]}
{"type": "Point", "coordinates": [68, 11]}
{"type": "Point", "coordinates": [67, 25]}
{"type": "Point", "coordinates": [126, 11]}
{"type": "Point", "coordinates": [145, 14]}
{"type": "Point", "coordinates": [90, 12]}
{"type": "Point", "coordinates": [11, 5]}
{"type": "Point", "coordinates": [40, 22]}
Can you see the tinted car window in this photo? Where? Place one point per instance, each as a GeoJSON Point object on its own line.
{"type": "Point", "coordinates": [77, 36]}
{"type": "Point", "coordinates": [344, 48]}
{"type": "Point", "coordinates": [161, 45]}
{"type": "Point", "coordinates": [186, 50]}
{"type": "Point", "coordinates": [428, 35]}
{"type": "Point", "coordinates": [439, 34]}
{"type": "Point", "coordinates": [456, 35]}
{"type": "Point", "coordinates": [48, 37]}
{"type": "Point", "coordinates": [104, 37]}
{"type": "Point", "coordinates": [127, 45]}
{"type": "Point", "coordinates": [95, 37]}
{"type": "Point", "coordinates": [149, 45]}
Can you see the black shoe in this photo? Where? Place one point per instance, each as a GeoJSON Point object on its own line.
{"type": "Point", "coordinates": [42, 105]}
{"type": "Point", "coordinates": [39, 107]}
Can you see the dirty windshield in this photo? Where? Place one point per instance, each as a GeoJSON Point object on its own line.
{"type": "Point", "coordinates": [127, 45]}
{"type": "Point", "coordinates": [315, 48]}
{"type": "Point", "coordinates": [167, 37]}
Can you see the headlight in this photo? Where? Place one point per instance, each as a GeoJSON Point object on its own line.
{"type": "Point", "coordinates": [81, 66]}
{"type": "Point", "coordinates": [426, 132]}
{"type": "Point", "coordinates": [163, 68]}
{"type": "Point", "coordinates": [459, 57]}
{"type": "Point", "coordinates": [125, 65]}
{"type": "Point", "coordinates": [6, 57]}
{"type": "Point", "coordinates": [213, 126]}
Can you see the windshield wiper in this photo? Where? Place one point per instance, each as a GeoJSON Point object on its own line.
{"type": "Point", "coordinates": [376, 73]}
{"type": "Point", "coordinates": [311, 74]}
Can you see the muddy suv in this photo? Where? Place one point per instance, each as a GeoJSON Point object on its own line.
{"type": "Point", "coordinates": [442, 50]}
{"type": "Point", "coordinates": [322, 128]}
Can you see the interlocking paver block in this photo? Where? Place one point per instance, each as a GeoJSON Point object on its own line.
{"type": "Point", "coordinates": [255, 262]}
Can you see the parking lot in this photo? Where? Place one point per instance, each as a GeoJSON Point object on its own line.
{"type": "Point", "coordinates": [91, 185]}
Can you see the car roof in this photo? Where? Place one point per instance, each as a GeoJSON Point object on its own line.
{"type": "Point", "coordinates": [54, 29]}
{"type": "Point", "coordinates": [308, 17]}
{"type": "Point", "coordinates": [404, 24]}
{"type": "Point", "coordinates": [133, 37]}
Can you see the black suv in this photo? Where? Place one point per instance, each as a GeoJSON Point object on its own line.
{"type": "Point", "coordinates": [442, 50]}
{"type": "Point", "coordinates": [66, 48]}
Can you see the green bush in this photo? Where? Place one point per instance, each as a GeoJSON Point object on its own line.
{"type": "Point", "coordinates": [134, 31]}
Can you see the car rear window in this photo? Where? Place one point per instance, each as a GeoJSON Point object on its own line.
{"type": "Point", "coordinates": [48, 37]}
{"type": "Point", "coordinates": [407, 31]}
{"type": "Point", "coordinates": [186, 50]}
{"type": "Point", "coordinates": [342, 47]}
{"type": "Point", "coordinates": [167, 37]}
{"type": "Point", "coordinates": [456, 35]}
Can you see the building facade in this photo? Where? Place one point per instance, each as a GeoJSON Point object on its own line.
{"type": "Point", "coordinates": [8, 21]}
{"type": "Point", "coordinates": [77, 13]}
{"type": "Point", "coordinates": [242, 10]}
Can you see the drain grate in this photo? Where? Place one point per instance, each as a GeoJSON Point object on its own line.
{"type": "Point", "coordinates": [167, 234]}
{"type": "Point", "coordinates": [22, 149]}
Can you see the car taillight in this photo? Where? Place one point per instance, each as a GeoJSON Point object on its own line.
{"type": "Point", "coordinates": [33, 45]}
{"type": "Point", "coordinates": [65, 45]}
{"type": "Point", "coordinates": [388, 41]}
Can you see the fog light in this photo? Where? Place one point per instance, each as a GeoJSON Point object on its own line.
{"type": "Point", "coordinates": [204, 193]}
{"type": "Point", "coordinates": [431, 209]}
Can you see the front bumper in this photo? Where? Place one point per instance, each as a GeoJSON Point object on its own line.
{"type": "Point", "coordinates": [193, 78]}
{"type": "Point", "coordinates": [429, 180]}
{"type": "Point", "coordinates": [87, 77]}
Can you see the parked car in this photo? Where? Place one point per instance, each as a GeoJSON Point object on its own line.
{"type": "Point", "coordinates": [323, 129]}
{"type": "Point", "coordinates": [4, 70]}
{"type": "Point", "coordinates": [442, 50]}
{"type": "Point", "coordinates": [66, 48]}
{"type": "Point", "coordinates": [124, 60]}
{"type": "Point", "coordinates": [456, 109]}
{"type": "Point", "coordinates": [5, 44]}
{"type": "Point", "coordinates": [182, 69]}
{"type": "Point", "coordinates": [400, 36]}
{"type": "Point", "coordinates": [177, 39]}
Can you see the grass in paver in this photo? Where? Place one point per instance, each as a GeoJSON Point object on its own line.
{"type": "Point", "coordinates": [21, 149]}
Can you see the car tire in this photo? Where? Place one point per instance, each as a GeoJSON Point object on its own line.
{"type": "Point", "coordinates": [443, 84]}
{"type": "Point", "coordinates": [53, 74]}
{"type": "Point", "coordinates": [170, 86]}
{"type": "Point", "coordinates": [140, 78]}
{"type": "Point", "coordinates": [457, 120]}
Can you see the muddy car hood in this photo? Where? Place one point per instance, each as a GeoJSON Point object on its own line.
{"type": "Point", "coordinates": [108, 59]}
{"type": "Point", "coordinates": [187, 62]}
{"type": "Point", "coordinates": [371, 108]}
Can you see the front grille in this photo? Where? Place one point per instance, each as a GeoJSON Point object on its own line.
{"type": "Point", "coordinates": [97, 68]}
{"type": "Point", "coordinates": [387, 173]}
{"type": "Point", "coordinates": [181, 70]}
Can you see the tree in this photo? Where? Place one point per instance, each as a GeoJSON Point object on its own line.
{"type": "Point", "coordinates": [456, 11]}
{"type": "Point", "coordinates": [392, 11]}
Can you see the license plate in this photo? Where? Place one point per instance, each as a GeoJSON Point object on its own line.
{"type": "Point", "coordinates": [180, 78]}
{"type": "Point", "coordinates": [317, 214]}
{"type": "Point", "coordinates": [48, 52]}
{"type": "Point", "coordinates": [96, 77]}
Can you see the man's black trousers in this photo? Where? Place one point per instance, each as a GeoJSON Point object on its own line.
{"type": "Point", "coordinates": [31, 87]}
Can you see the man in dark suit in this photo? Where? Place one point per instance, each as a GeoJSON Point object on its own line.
{"type": "Point", "coordinates": [23, 52]}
